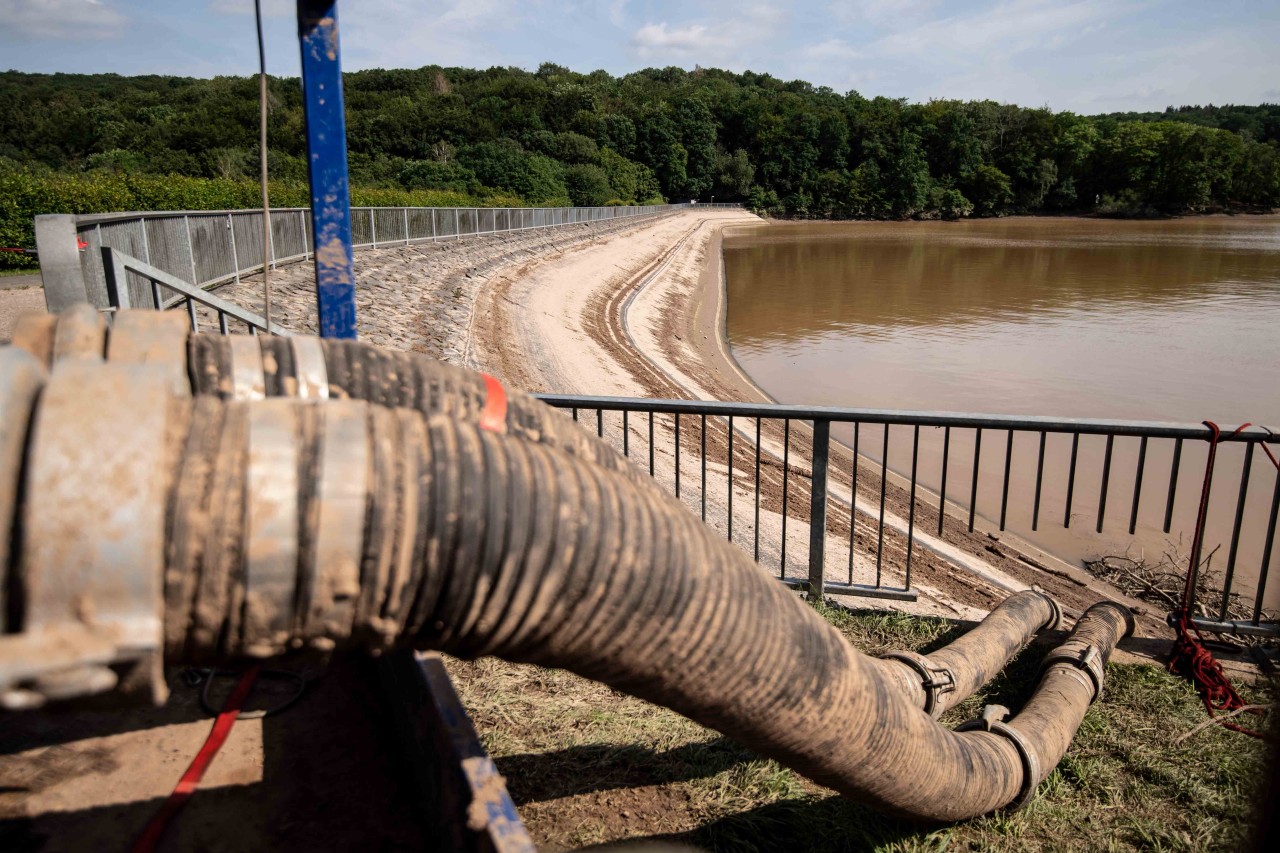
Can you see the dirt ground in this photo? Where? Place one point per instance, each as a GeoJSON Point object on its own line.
{"type": "Point", "coordinates": [17, 302]}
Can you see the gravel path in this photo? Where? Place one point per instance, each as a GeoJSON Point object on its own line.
{"type": "Point", "coordinates": [15, 303]}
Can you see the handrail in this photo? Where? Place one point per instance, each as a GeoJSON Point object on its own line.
{"type": "Point", "coordinates": [211, 247]}
{"type": "Point", "coordinates": [117, 266]}
{"type": "Point", "coordinates": [908, 417]}
{"type": "Point", "coordinates": [836, 496]}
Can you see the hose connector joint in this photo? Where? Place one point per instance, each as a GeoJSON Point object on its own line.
{"type": "Point", "coordinates": [936, 680]}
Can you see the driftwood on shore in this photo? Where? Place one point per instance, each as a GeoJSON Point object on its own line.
{"type": "Point", "coordinates": [1161, 581]}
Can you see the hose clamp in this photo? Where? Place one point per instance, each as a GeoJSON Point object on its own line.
{"type": "Point", "coordinates": [992, 719]}
{"type": "Point", "coordinates": [1082, 656]}
{"type": "Point", "coordinates": [93, 527]}
{"type": "Point", "coordinates": [157, 338]}
{"type": "Point", "coordinates": [936, 680]}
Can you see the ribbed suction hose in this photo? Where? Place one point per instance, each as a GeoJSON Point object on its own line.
{"type": "Point", "coordinates": [285, 523]}
{"type": "Point", "coordinates": [248, 368]}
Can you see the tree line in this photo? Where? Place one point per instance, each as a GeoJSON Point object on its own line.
{"type": "Point", "coordinates": [552, 136]}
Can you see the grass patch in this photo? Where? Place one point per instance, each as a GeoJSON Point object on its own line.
{"type": "Point", "coordinates": [586, 765]}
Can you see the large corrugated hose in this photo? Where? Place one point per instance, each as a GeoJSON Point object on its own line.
{"type": "Point", "coordinates": [351, 524]}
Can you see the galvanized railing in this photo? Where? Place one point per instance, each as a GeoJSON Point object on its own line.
{"type": "Point", "coordinates": [774, 479]}
{"type": "Point", "coordinates": [209, 247]}
{"type": "Point", "coordinates": [125, 274]}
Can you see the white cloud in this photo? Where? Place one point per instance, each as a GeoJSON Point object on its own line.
{"type": "Point", "coordinates": [617, 12]}
{"type": "Point", "coordinates": [880, 11]}
{"type": "Point", "coordinates": [661, 38]}
{"type": "Point", "coordinates": [723, 41]}
{"type": "Point", "coordinates": [833, 50]}
{"type": "Point", "coordinates": [67, 20]}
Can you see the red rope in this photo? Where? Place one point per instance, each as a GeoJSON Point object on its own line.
{"type": "Point", "coordinates": [150, 837]}
{"type": "Point", "coordinates": [1189, 657]}
{"type": "Point", "coordinates": [1193, 661]}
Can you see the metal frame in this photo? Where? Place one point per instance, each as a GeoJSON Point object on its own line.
{"type": "Point", "coordinates": [121, 293]}
{"type": "Point", "coordinates": [820, 419]}
{"type": "Point", "coordinates": [327, 165]}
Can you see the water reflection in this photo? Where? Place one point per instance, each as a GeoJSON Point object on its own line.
{"type": "Point", "coordinates": [1173, 320]}
{"type": "Point", "coordinates": [1163, 320]}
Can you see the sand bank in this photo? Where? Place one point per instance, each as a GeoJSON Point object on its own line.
{"type": "Point", "coordinates": [641, 313]}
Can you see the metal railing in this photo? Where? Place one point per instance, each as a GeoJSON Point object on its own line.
{"type": "Point", "coordinates": [758, 472]}
{"type": "Point", "coordinates": [124, 275]}
{"type": "Point", "coordinates": [210, 247]}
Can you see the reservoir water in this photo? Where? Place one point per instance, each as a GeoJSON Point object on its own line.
{"type": "Point", "coordinates": [1175, 320]}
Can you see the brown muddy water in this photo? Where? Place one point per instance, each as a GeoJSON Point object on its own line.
{"type": "Point", "coordinates": [1173, 320]}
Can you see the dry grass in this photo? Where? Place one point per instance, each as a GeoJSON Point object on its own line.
{"type": "Point", "coordinates": [588, 765]}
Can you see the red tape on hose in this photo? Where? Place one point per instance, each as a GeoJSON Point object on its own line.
{"type": "Point", "coordinates": [494, 415]}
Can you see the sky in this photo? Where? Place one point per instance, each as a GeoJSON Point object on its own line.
{"type": "Point", "coordinates": [1088, 56]}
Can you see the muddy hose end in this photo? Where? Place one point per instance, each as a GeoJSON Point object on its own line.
{"type": "Point", "coordinates": [1055, 611]}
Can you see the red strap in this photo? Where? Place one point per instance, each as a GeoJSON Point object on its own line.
{"type": "Point", "coordinates": [154, 831]}
{"type": "Point", "coordinates": [494, 415]}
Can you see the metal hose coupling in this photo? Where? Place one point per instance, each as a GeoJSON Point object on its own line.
{"type": "Point", "coordinates": [992, 719]}
{"type": "Point", "coordinates": [936, 680]}
{"type": "Point", "coordinates": [1087, 649]}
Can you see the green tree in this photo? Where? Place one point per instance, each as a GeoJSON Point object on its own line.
{"type": "Point", "coordinates": [588, 185]}
{"type": "Point", "coordinates": [989, 189]}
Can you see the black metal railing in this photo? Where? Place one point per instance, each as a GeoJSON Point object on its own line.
{"type": "Point", "coordinates": [784, 481]}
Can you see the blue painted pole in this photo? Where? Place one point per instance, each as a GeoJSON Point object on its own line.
{"type": "Point", "coordinates": [327, 162]}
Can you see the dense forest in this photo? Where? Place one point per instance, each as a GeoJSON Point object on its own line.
{"type": "Point", "coordinates": [505, 136]}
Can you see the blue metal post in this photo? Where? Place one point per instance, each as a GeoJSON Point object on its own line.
{"type": "Point", "coordinates": [327, 161]}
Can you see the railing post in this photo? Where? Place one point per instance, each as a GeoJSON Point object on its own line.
{"type": "Point", "coordinates": [373, 225]}
{"type": "Point", "coordinates": [57, 247]}
{"type": "Point", "coordinates": [191, 248]}
{"type": "Point", "coordinates": [235, 258]}
{"type": "Point", "coordinates": [117, 279]}
{"type": "Point", "coordinates": [270, 234]}
{"type": "Point", "coordinates": [406, 226]}
{"type": "Point", "coordinates": [818, 508]}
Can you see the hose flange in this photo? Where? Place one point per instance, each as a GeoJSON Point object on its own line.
{"type": "Point", "coordinates": [992, 719]}
{"type": "Point", "coordinates": [936, 680]}
{"type": "Point", "coordinates": [1055, 610]}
